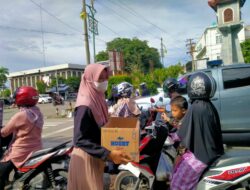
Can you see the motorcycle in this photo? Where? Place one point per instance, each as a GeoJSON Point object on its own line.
{"type": "Point", "coordinates": [228, 172]}
{"type": "Point", "coordinates": [45, 169]}
{"type": "Point", "coordinates": [142, 175]}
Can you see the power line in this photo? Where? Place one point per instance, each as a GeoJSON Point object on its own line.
{"type": "Point", "coordinates": [59, 20]}
{"type": "Point", "coordinates": [35, 31]}
{"type": "Point", "coordinates": [123, 18]}
{"type": "Point", "coordinates": [132, 13]}
{"type": "Point", "coordinates": [137, 14]}
{"type": "Point", "coordinates": [109, 28]}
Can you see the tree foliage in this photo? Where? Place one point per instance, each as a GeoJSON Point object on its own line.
{"type": "Point", "coordinates": [60, 80]}
{"type": "Point", "coordinates": [102, 56]}
{"type": "Point", "coordinates": [41, 87]}
{"type": "Point", "coordinates": [245, 47]}
{"type": "Point", "coordinates": [160, 75]}
{"type": "Point", "coordinates": [3, 76]}
{"type": "Point", "coordinates": [5, 93]}
{"type": "Point", "coordinates": [134, 52]}
{"type": "Point", "coordinates": [73, 82]}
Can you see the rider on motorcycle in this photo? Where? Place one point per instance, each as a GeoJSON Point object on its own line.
{"type": "Point", "coordinates": [200, 133]}
{"type": "Point", "coordinates": [125, 106]}
{"type": "Point", "coordinates": [26, 129]}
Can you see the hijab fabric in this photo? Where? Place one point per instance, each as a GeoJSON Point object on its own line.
{"type": "Point", "coordinates": [34, 115]}
{"type": "Point", "coordinates": [200, 131]}
{"type": "Point", "coordinates": [89, 96]}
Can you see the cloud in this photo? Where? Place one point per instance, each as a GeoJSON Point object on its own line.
{"type": "Point", "coordinates": [21, 44]}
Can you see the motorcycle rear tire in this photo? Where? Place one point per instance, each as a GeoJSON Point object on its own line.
{"type": "Point", "coordinates": [121, 178]}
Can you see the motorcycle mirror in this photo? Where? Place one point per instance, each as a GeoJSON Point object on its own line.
{"type": "Point", "coordinates": [152, 100]}
{"type": "Point", "coordinates": [161, 99]}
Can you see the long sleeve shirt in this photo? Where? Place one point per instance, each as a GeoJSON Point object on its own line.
{"type": "Point", "coordinates": [87, 133]}
{"type": "Point", "coordinates": [26, 138]}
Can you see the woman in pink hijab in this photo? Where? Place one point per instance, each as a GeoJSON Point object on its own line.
{"type": "Point", "coordinates": [91, 113]}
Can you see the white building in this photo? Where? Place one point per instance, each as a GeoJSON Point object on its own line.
{"type": "Point", "coordinates": [32, 76]}
{"type": "Point", "coordinates": [209, 45]}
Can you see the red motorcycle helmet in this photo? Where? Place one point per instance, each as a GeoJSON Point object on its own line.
{"type": "Point", "coordinates": [26, 96]}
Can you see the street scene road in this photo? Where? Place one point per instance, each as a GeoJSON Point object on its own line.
{"type": "Point", "coordinates": [162, 90]}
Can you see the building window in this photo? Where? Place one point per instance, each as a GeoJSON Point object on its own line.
{"type": "Point", "coordinates": [68, 74]}
{"type": "Point", "coordinates": [238, 77]}
{"type": "Point", "coordinates": [228, 15]}
{"type": "Point", "coordinates": [74, 74]}
{"type": "Point", "coordinates": [28, 79]}
{"type": "Point", "coordinates": [63, 74]}
{"type": "Point", "coordinates": [219, 39]}
{"type": "Point", "coordinates": [79, 74]}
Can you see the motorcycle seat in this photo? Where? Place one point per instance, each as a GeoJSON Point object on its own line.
{"type": "Point", "coordinates": [232, 158]}
{"type": "Point", "coordinates": [40, 152]}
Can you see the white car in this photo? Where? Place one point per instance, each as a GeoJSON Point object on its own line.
{"type": "Point", "coordinates": [144, 103]}
{"type": "Point", "coordinates": [44, 98]}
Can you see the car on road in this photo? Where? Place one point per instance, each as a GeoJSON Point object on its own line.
{"type": "Point", "coordinates": [144, 103]}
{"type": "Point", "coordinates": [232, 100]}
{"type": "Point", "coordinates": [44, 98]}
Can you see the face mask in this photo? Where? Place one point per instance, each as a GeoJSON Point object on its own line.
{"type": "Point", "coordinates": [101, 86]}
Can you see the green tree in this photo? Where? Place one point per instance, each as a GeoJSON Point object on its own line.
{"type": "Point", "coordinates": [41, 87]}
{"type": "Point", "coordinates": [60, 80]}
{"type": "Point", "coordinates": [6, 93]}
{"type": "Point", "coordinates": [3, 76]}
{"type": "Point", "coordinates": [245, 47]}
{"type": "Point", "coordinates": [102, 56]}
{"type": "Point", "coordinates": [73, 82]}
{"type": "Point", "coordinates": [134, 51]}
{"type": "Point", "coordinates": [160, 75]}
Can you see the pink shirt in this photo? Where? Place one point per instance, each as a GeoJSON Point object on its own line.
{"type": "Point", "coordinates": [26, 127]}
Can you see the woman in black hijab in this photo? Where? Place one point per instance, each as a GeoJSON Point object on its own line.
{"type": "Point", "coordinates": [200, 133]}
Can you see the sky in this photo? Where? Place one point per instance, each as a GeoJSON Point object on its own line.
{"type": "Point", "coordinates": [24, 46]}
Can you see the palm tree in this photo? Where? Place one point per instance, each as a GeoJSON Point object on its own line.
{"type": "Point", "coordinates": [3, 76]}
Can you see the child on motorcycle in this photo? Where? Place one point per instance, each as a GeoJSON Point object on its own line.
{"type": "Point", "coordinates": [26, 128]}
{"type": "Point", "coordinates": [200, 134]}
{"type": "Point", "coordinates": [179, 106]}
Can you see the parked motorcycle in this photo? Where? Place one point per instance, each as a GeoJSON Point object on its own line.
{"type": "Point", "coordinates": [45, 169]}
{"type": "Point", "coordinates": [231, 171]}
{"type": "Point", "coordinates": [142, 175]}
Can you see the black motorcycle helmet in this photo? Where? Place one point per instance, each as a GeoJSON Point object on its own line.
{"type": "Point", "coordinates": [201, 86]}
{"type": "Point", "coordinates": [170, 85]}
{"type": "Point", "coordinates": [124, 89]}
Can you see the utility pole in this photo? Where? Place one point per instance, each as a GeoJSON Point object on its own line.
{"type": "Point", "coordinates": [93, 25]}
{"type": "Point", "coordinates": [191, 49]}
{"type": "Point", "coordinates": [41, 18]}
{"type": "Point", "coordinates": [86, 36]}
{"type": "Point", "coordinates": [162, 53]}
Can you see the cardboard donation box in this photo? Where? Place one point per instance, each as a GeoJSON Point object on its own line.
{"type": "Point", "coordinates": [122, 133]}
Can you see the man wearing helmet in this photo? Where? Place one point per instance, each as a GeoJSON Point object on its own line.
{"type": "Point", "coordinates": [125, 106]}
{"type": "Point", "coordinates": [200, 133]}
{"type": "Point", "coordinates": [170, 88]}
{"type": "Point", "coordinates": [26, 128]}
{"type": "Point", "coordinates": [144, 89]}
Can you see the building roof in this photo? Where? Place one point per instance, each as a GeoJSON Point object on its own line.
{"type": "Point", "coordinates": [214, 3]}
{"type": "Point", "coordinates": [47, 69]}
